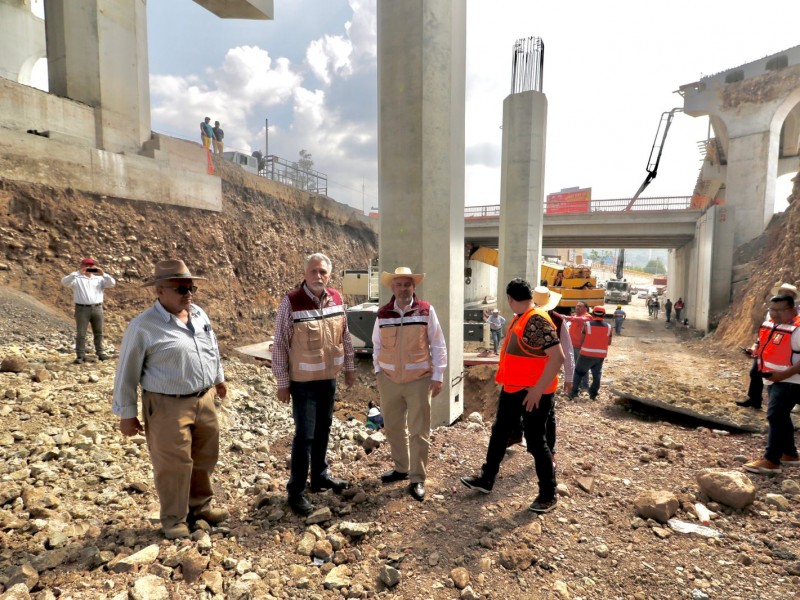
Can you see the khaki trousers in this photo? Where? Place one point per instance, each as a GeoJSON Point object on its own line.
{"type": "Point", "coordinates": [183, 439]}
{"type": "Point", "coordinates": [406, 409]}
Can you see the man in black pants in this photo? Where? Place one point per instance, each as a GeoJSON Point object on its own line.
{"type": "Point", "coordinates": [528, 372]}
{"type": "Point", "coordinates": [755, 391]}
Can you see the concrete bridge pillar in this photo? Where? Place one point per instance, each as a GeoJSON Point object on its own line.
{"type": "Point", "coordinates": [97, 54]}
{"type": "Point", "coordinates": [421, 91]}
{"type": "Point", "coordinates": [521, 191]}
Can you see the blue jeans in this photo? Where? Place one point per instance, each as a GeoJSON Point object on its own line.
{"type": "Point", "coordinates": [496, 335]}
{"type": "Point", "coordinates": [509, 411]}
{"type": "Point", "coordinates": [584, 365]}
{"type": "Point", "coordinates": [780, 439]}
{"type": "Point", "coordinates": [312, 409]}
{"type": "Point", "coordinates": [618, 325]}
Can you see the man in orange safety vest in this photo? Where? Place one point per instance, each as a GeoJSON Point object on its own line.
{"type": "Point", "coordinates": [595, 339]}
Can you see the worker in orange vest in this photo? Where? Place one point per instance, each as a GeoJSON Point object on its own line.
{"type": "Point", "coordinates": [595, 340]}
{"type": "Point", "coordinates": [778, 356]}
{"type": "Point", "coordinates": [528, 371]}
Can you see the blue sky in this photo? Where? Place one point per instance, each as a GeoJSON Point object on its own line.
{"type": "Point", "coordinates": [610, 71]}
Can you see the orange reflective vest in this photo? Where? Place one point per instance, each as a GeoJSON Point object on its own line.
{"type": "Point", "coordinates": [520, 365]}
{"type": "Point", "coordinates": [595, 341]}
{"type": "Point", "coordinates": [576, 330]}
{"type": "Point", "coordinates": [775, 345]}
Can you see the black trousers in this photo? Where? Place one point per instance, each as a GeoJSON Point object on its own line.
{"type": "Point", "coordinates": [509, 411]}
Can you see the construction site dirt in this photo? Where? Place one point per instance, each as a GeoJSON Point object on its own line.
{"type": "Point", "coordinates": [76, 498]}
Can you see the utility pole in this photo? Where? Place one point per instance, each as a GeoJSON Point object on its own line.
{"type": "Point", "coordinates": [266, 135]}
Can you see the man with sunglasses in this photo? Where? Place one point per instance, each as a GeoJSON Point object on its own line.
{"type": "Point", "coordinates": [778, 356]}
{"type": "Point", "coordinates": [171, 351]}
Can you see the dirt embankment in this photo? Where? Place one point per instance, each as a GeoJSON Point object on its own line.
{"type": "Point", "coordinates": [777, 261]}
{"type": "Point", "coordinates": [251, 252]}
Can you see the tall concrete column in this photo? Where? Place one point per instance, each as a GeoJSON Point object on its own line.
{"type": "Point", "coordinates": [750, 187]}
{"type": "Point", "coordinates": [97, 54]}
{"type": "Point", "coordinates": [421, 91]}
{"type": "Point", "coordinates": [521, 191]}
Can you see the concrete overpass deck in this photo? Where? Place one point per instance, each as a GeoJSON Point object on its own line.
{"type": "Point", "coordinates": [655, 223]}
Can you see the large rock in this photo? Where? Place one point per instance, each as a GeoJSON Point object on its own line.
{"type": "Point", "coordinates": [139, 559]}
{"type": "Point", "coordinates": [149, 587]}
{"type": "Point", "coordinates": [389, 576]}
{"type": "Point", "coordinates": [16, 592]}
{"type": "Point", "coordinates": [337, 578]}
{"type": "Point", "coordinates": [460, 577]}
{"type": "Point", "coordinates": [24, 574]}
{"type": "Point", "coordinates": [13, 364]}
{"type": "Point", "coordinates": [660, 505]}
{"type": "Point", "coordinates": [732, 488]}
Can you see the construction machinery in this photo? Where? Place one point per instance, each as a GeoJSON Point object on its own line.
{"type": "Point", "coordinates": [575, 283]}
{"type": "Point", "coordinates": [652, 170]}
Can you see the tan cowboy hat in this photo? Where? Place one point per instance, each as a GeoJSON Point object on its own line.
{"type": "Point", "coordinates": [171, 269]}
{"type": "Point", "coordinates": [784, 288]}
{"type": "Point", "coordinates": [544, 298]}
{"type": "Point", "coordinates": [388, 278]}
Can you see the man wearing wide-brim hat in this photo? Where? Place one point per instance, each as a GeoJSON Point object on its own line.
{"type": "Point", "coordinates": [528, 371]}
{"type": "Point", "coordinates": [171, 351]}
{"type": "Point", "coordinates": [410, 356]}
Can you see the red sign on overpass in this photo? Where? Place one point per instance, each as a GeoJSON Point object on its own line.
{"type": "Point", "coordinates": [575, 201]}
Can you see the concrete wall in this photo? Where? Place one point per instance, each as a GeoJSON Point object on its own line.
{"type": "Point", "coordinates": [22, 41]}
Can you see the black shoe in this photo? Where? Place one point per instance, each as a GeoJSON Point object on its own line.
{"type": "Point", "coordinates": [749, 403]}
{"type": "Point", "coordinates": [417, 491]}
{"type": "Point", "coordinates": [329, 483]}
{"type": "Point", "coordinates": [393, 475]}
{"type": "Point", "coordinates": [543, 506]}
{"type": "Point", "coordinates": [77, 361]}
{"type": "Point", "coordinates": [103, 356]}
{"type": "Point", "coordinates": [480, 483]}
{"type": "Point", "coordinates": [300, 505]}
{"type": "Point", "coordinates": [592, 397]}
{"type": "Point", "coordinates": [516, 438]}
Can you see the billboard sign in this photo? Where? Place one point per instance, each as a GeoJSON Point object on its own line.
{"type": "Point", "coordinates": [569, 201]}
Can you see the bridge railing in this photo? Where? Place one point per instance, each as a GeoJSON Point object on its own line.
{"type": "Point", "coordinates": [656, 203]}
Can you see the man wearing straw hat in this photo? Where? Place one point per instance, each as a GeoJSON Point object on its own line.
{"type": "Point", "coordinates": [171, 351]}
{"type": "Point", "coordinates": [410, 357]}
{"type": "Point", "coordinates": [528, 372]}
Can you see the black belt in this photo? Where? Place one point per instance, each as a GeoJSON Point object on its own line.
{"type": "Point", "coordinates": [98, 304]}
{"type": "Point", "coordinates": [180, 396]}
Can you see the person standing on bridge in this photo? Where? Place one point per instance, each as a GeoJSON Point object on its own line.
{"type": "Point", "coordinates": [778, 356]}
{"type": "Point", "coordinates": [410, 357]}
{"type": "Point", "coordinates": [595, 339]}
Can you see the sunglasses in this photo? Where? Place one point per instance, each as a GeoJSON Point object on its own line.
{"type": "Point", "coordinates": [183, 289]}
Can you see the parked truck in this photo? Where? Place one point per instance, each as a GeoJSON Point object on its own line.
{"type": "Point", "coordinates": [618, 291]}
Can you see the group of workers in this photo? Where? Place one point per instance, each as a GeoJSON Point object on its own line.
{"type": "Point", "coordinates": [171, 352]}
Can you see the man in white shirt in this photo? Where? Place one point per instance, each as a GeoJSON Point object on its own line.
{"type": "Point", "coordinates": [410, 357]}
{"type": "Point", "coordinates": [87, 284]}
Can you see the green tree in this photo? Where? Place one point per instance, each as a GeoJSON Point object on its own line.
{"type": "Point", "coordinates": [655, 266]}
{"type": "Point", "coordinates": [304, 166]}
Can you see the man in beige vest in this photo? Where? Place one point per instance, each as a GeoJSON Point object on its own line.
{"type": "Point", "coordinates": [312, 346]}
{"type": "Point", "coordinates": [410, 357]}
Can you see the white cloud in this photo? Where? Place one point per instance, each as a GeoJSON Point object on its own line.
{"type": "Point", "coordinates": [329, 56]}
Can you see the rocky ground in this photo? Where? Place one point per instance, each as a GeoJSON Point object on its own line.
{"type": "Point", "coordinates": [78, 513]}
